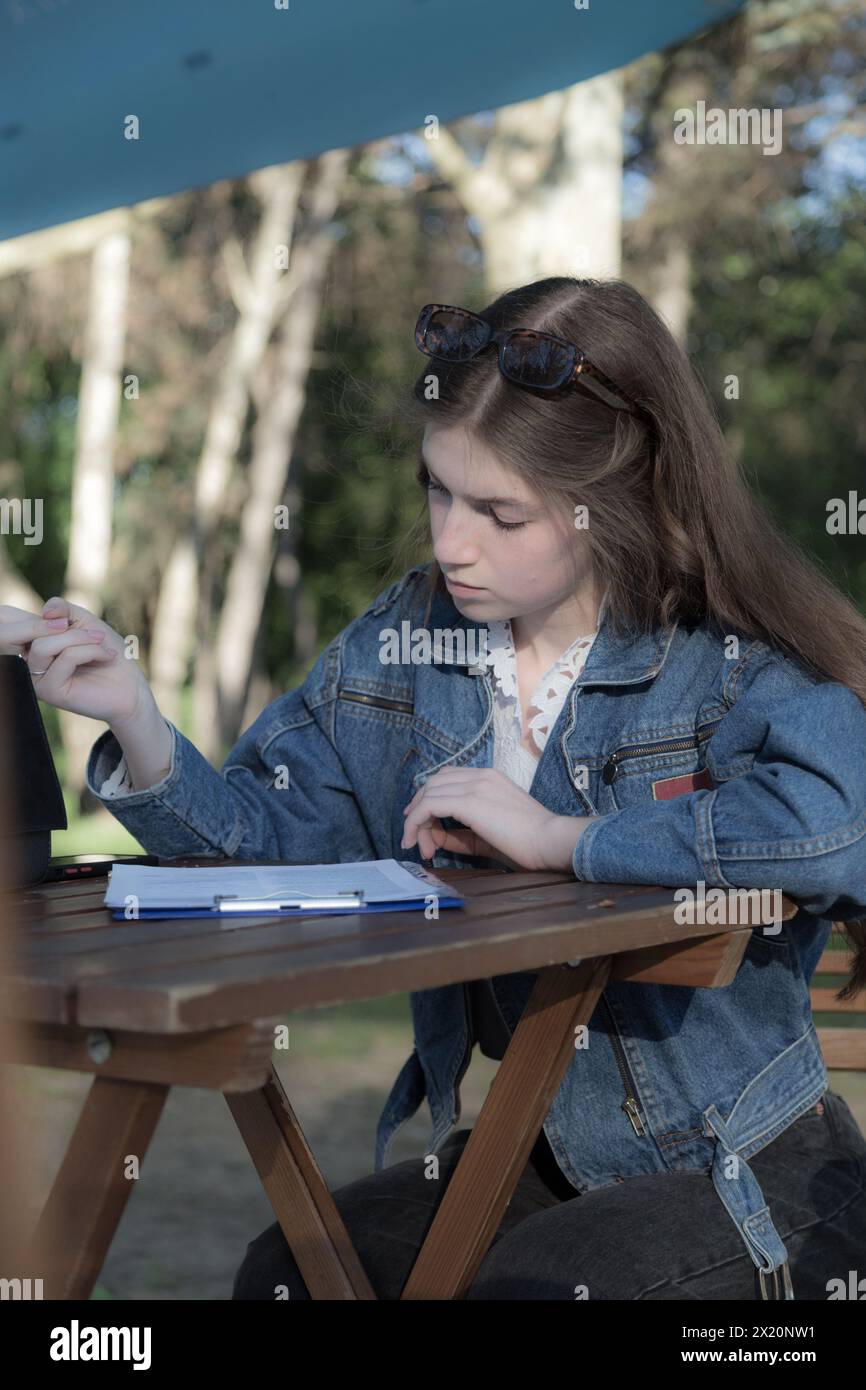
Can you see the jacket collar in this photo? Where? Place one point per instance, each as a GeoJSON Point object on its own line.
{"type": "Point", "coordinates": [613, 659]}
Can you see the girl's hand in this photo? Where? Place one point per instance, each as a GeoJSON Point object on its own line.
{"type": "Point", "coordinates": [18, 628]}
{"type": "Point", "coordinates": [79, 665]}
{"type": "Point", "coordinates": [502, 821]}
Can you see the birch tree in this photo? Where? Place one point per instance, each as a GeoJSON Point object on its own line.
{"type": "Point", "coordinates": [546, 194]}
{"type": "Point", "coordinates": [258, 296]}
{"type": "Point", "coordinates": [93, 476]}
{"type": "Point", "coordinates": [279, 412]}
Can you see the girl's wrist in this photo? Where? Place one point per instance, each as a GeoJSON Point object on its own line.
{"type": "Point", "coordinates": [146, 742]}
{"type": "Point", "coordinates": [560, 840]}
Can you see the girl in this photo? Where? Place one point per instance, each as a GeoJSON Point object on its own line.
{"type": "Point", "coordinates": [659, 689]}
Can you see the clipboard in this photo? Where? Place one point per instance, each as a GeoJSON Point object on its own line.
{"type": "Point", "coordinates": [230, 908]}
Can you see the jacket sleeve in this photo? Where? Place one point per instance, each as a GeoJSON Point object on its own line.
{"type": "Point", "coordinates": [788, 811]}
{"type": "Point", "coordinates": [282, 792]}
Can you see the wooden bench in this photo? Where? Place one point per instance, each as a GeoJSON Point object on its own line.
{"type": "Point", "coordinates": [840, 1024]}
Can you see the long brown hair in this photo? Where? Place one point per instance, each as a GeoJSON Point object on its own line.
{"type": "Point", "coordinates": [675, 531]}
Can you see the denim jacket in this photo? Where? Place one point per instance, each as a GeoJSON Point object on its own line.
{"type": "Point", "coordinates": [671, 1078]}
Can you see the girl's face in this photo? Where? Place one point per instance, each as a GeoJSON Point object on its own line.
{"type": "Point", "coordinates": [492, 532]}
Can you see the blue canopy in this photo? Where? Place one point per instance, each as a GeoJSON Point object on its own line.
{"type": "Point", "coordinates": [221, 88]}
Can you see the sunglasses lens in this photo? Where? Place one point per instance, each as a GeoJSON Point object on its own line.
{"type": "Point", "coordinates": [534, 359]}
{"type": "Point", "coordinates": [456, 337]}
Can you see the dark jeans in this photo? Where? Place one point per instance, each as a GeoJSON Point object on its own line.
{"type": "Point", "coordinates": [656, 1236]}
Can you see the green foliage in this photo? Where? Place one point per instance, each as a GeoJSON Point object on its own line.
{"type": "Point", "coordinates": [790, 327]}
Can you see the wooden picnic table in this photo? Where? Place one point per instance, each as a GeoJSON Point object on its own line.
{"type": "Point", "coordinates": [145, 1005]}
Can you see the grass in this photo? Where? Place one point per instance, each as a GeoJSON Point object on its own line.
{"type": "Point", "coordinates": [98, 833]}
{"type": "Point", "coordinates": [348, 1030]}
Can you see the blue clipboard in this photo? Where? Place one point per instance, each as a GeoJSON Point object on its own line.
{"type": "Point", "coordinates": [231, 909]}
{"type": "Point", "coordinates": [269, 910]}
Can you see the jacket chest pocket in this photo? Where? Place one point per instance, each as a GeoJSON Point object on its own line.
{"type": "Point", "coordinates": [376, 704]}
{"type": "Point", "coordinates": [655, 769]}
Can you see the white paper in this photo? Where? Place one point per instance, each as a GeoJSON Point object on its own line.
{"type": "Point", "coordinates": [380, 880]}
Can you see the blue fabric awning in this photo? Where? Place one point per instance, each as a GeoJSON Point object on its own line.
{"type": "Point", "coordinates": [220, 87]}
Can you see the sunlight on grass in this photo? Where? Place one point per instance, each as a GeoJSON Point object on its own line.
{"type": "Point", "coordinates": [348, 1030]}
{"type": "Point", "coordinates": [98, 833]}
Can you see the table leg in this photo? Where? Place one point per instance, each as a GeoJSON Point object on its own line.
{"type": "Point", "coordinates": [91, 1189]}
{"type": "Point", "coordinates": [507, 1127]}
{"type": "Point", "coordinates": [298, 1193]}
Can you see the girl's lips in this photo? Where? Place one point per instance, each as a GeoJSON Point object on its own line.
{"type": "Point", "coordinates": [455, 584]}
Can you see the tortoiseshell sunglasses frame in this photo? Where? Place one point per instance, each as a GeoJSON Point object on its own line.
{"type": "Point", "coordinates": [580, 371]}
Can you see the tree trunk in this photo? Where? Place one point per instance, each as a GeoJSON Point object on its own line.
{"type": "Point", "coordinates": [273, 444]}
{"type": "Point", "coordinates": [183, 600]}
{"type": "Point", "coordinates": [93, 478]}
{"type": "Point", "coordinates": [547, 193]}
{"type": "Point", "coordinates": [14, 588]}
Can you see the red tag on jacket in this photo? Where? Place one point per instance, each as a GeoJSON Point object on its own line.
{"type": "Point", "coordinates": [670, 787]}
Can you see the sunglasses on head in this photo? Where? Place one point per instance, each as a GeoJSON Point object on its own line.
{"type": "Point", "coordinates": [526, 356]}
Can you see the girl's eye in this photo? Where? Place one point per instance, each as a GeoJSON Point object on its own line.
{"type": "Point", "coordinates": [505, 525]}
{"type": "Point", "coordinates": [502, 525]}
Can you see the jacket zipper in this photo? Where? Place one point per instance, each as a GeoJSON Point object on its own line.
{"type": "Point", "coordinates": [629, 1105]}
{"type": "Point", "coordinates": [611, 767]}
{"type": "Point", "coordinates": [380, 702]}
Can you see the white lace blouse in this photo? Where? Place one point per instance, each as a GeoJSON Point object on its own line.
{"type": "Point", "coordinates": [510, 755]}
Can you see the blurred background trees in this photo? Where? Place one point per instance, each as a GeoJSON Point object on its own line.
{"type": "Point", "coordinates": [171, 373]}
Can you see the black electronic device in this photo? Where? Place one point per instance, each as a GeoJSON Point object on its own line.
{"type": "Point", "coordinates": [32, 799]}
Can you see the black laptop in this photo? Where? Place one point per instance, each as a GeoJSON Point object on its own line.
{"type": "Point", "coordinates": [32, 802]}
{"type": "Point", "coordinates": [32, 799]}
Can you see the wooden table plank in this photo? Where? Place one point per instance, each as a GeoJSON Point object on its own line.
{"type": "Point", "coordinates": [218, 978]}
{"type": "Point", "coordinates": [52, 908]}
{"type": "Point", "coordinates": [86, 958]}
{"type": "Point", "coordinates": [223, 1059]}
{"type": "Point", "coordinates": [95, 929]}
{"type": "Point", "coordinates": [196, 938]}
{"type": "Point", "coordinates": [42, 985]}
{"type": "Point", "coordinates": [224, 991]}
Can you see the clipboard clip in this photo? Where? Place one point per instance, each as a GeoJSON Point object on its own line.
{"type": "Point", "coordinates": [230, 902]}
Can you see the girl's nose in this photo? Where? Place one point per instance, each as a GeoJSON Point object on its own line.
{"type": "Point", "coordinates": [457, 541]}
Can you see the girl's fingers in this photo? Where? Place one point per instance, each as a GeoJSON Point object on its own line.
{"type": "Point", "coordinates": [57, 605]}
{"type": "Point", "coordinates": [64, 665]}
{"type": "Point", "coordinates": [428, 795]}
{"type": "Point", "coordinates": [459, 780]}
{"type": "Point", "coordinates": [424, 826]}
{"type": "Point", "coordinates": [435, 804]}
{"type": "Point", "coordinates": [435, 837]}
{"type": "Point", "coordinates": [44, 649]}
{"type": "Point", "coordinates": [467, 842]}
{"type": "Point", "coordinates": [431, 837]}
{"type": "Point", "coordinates": [24, 630]}
{"type": "Point", "coordinates": [60, 607]}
